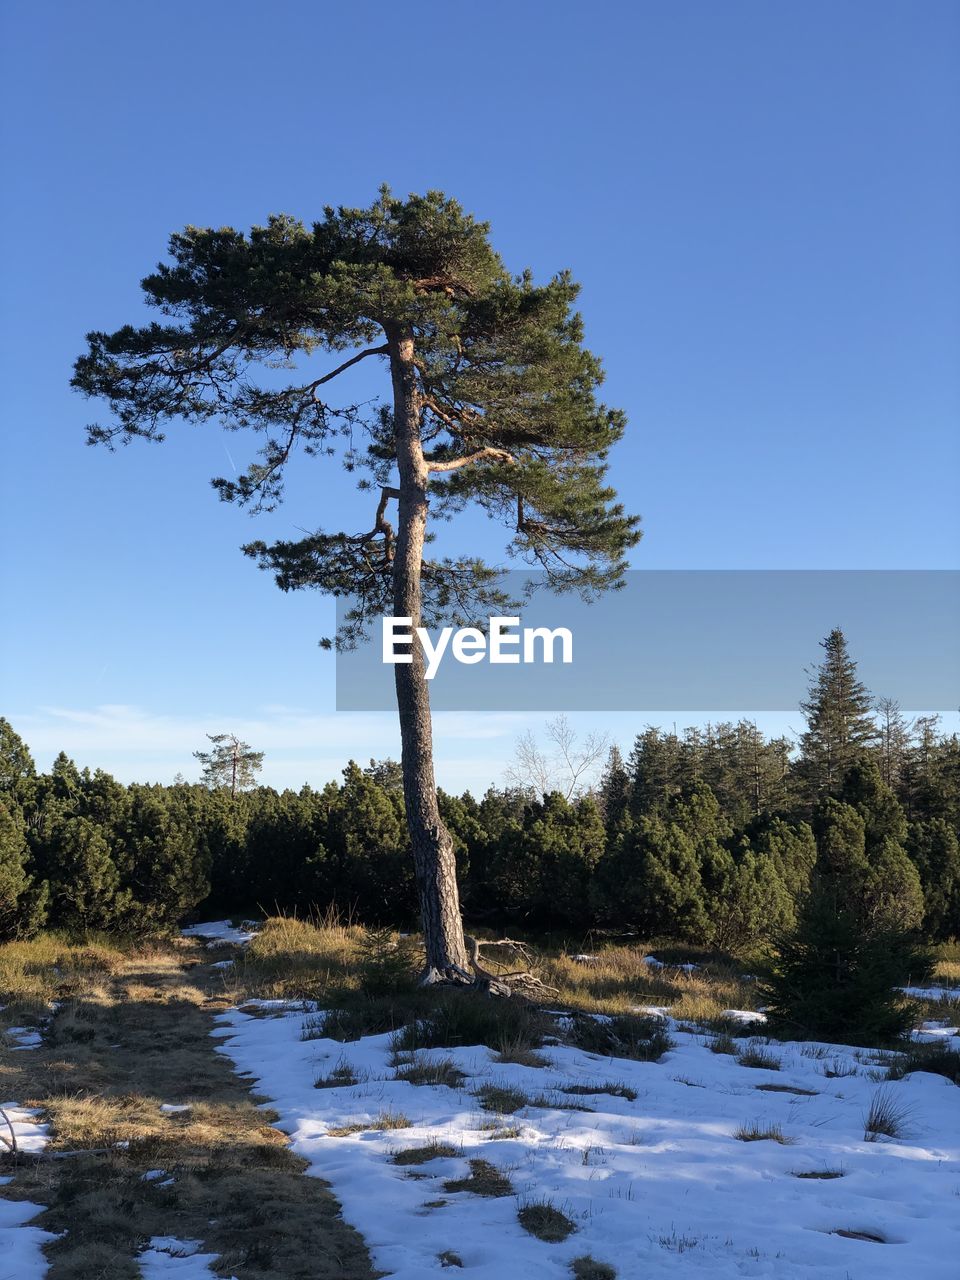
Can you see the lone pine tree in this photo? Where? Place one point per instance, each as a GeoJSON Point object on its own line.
{"type": "Point", "coordinates": [230, 763]}
{"type": "Point", "coordinates": [492, 402]}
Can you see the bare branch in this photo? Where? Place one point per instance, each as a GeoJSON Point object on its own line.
{"type": "Point", "coordinates": [454, 464]}
{"type": "Point", "coordinates": [362, 355]}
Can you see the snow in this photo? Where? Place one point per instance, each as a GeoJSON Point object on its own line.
{"type": "Point", "coordinates": [30, 1135]}
{"type": "Point", "coordinates": [221, 933]}
{"type": "Point", "coordinates": [21, 1256]}
{"type": "Point", "coordinates": [23, 1037]}
{"type": "Point", "coordinates": [174, 1108]}
{"type": "Point", "coordinates": [657, 1186]}
{"type": "Point", "coordinates": [654, 963]}
{"type": "Point", "coordinates": [168, 1258]}
{"type": "Point", "coordinates": [932, 993]}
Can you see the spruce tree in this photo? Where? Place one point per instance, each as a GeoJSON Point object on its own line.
{"type": "Point", "coordinates": [840, 727]}
{"type": "Point", "coordinates": [492, 402]}
{"type": "Point", "coordinates": [935, 851]}
{"type": "Point", "coordinates": [614, 792]}
{"type": "Point", "coordinates": [835, 980]}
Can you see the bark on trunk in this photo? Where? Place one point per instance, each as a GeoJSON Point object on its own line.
{"type": "Point", "coordinates": [433, 856]}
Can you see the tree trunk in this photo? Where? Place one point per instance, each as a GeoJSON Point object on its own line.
{"type": "Point", "coordinates": [433, 856]}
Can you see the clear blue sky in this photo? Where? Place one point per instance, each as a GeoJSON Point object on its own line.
{"type": "Point", "coordinates": [761, 200]}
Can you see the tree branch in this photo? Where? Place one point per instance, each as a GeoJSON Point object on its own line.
{"type": "Point", "coordinates": [454, 464]}
{"type": "Point", "coordinates": [362, 355]}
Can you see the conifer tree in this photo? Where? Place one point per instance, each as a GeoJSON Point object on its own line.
{"type": "Point", "coordinates": [614, 791]}
{"type": "Point", "coordinates": [230, 763]}
{"type": "Point", "coordinates": [935, 851]}
{"type": "Point", "coordinates": [17, 770]}
{"type": "Point", "coordinates": [160, 859]}
{"type": "Point", "coordinates": [839, 723]}
{"type": "Point", "coordinates": [492, 402]}
{"type": "Point", "coordinates": [84, 880]}
{"type": "Point", "coordinates": [834, 980]}
{"type": "Point", "coordinates": [22, 905]}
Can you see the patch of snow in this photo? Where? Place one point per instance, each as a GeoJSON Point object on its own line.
{"type": "Point", "coordinates": [743, 1015]}
{"type": "Point", "coordinates": [657, 1186]}
{"type": "Point", "coordinates": [932, 993]}
{"type": "Point", "coordinates": [24, 1037]}
{"type": "Point", "coordinates": [21, 1246]}
{"type": "Point", "coordinates": [654, 963]}
{"type": "Point", "coordinates": [585, 959]}
{"type": "Point", "coordinates": [220, 933]}
{"type": "Point", "coordinates": [152, 1175]}
{"type": "Point", "coordinates": [168, 1258]}
{"type": "Point", "coordinates": [175, 1108]}
{"type": "Point", "coordinates": [30, 1135]}
{"type": "Point", "coordinates": [223, 964]}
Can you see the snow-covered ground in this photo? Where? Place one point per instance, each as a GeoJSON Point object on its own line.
{"type": "Point", "coordinates": [656, 1186]}
{"type": "Point", "coordinates": [21, 1256]}
{"type": "Point", "coordinates": [221, 933]}
{"type": "Point", "coordinates": [168, 1258]}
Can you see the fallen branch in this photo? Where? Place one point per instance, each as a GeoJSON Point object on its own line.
{"type": "Point", "coordinates": [504, 984]}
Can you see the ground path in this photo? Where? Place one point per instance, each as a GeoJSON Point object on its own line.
{"type": "Point", "coordinates": [165, 1140]}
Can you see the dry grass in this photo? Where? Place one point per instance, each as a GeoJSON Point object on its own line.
{"type": "Point", "coordinates": [421, 1070]}
{"type": "Point", "coordinates": [131, 1034]}
{"type": "Point", "coordinates": [421, 1155]}
{"type": "Point", "coordinates": [545, 1221]}
{"type": "Point", "coordinates": [762, 1133]}
{"type": "Point", "coordinates": [588, 1268]}
{"type": "Point", "coordinates": [620, 979]}
{"type": "Point", "coordinates": [503, 1099]}
{"type": "Point", "coordinates": [484, 1179]}
{"type": "Point", "coordinates": [382, 1123]}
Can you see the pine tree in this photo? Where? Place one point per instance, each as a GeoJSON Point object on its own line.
{"type": "Point", "coordinates": [493, 403]}
{"type": "Point", "coordinates": [161, 864]}
{"type": "Point", "coordinates": [22, 904]}
{"type": "Point", "coordinates": [231, 763]}
{"type": "Point", "coordinates": [84, 880]}
{"type": "Point", "coordinates": [17, 770]}
{"type": "Point", "coordinates": [839, 723]}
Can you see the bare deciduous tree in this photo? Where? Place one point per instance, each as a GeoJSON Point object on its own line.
{"type": "Point", "coordinates": [566, 764]}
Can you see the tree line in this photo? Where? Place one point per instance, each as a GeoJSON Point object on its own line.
{"type": "Point", "coordinates": [712, 835]}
